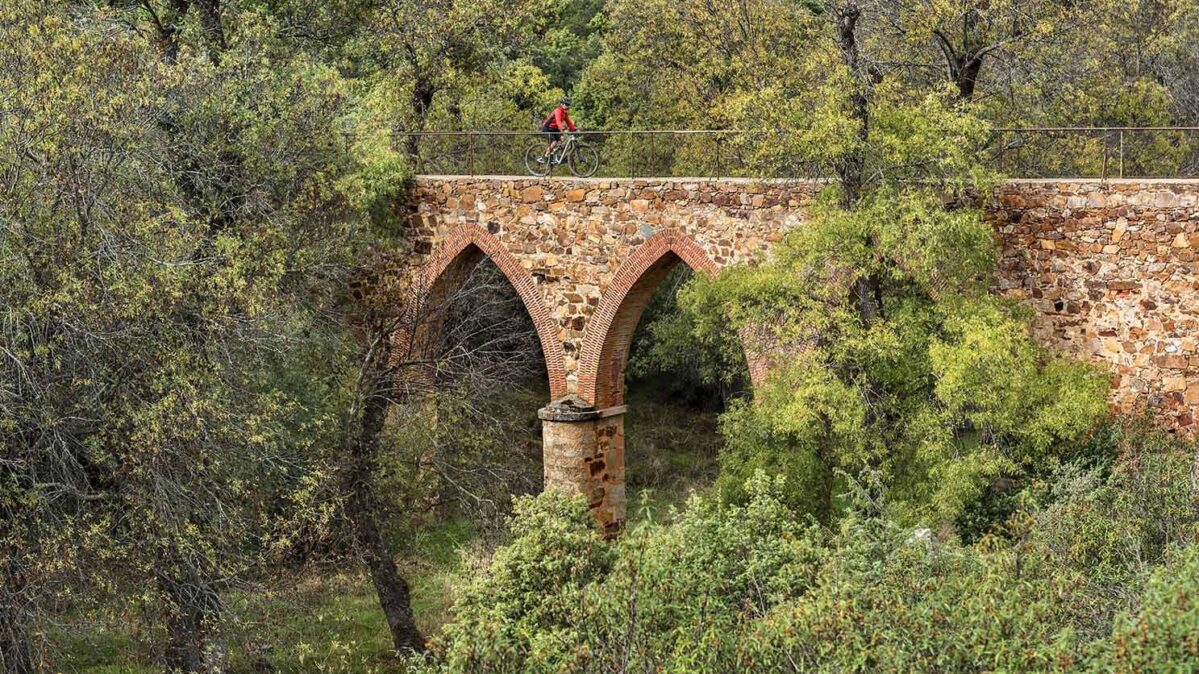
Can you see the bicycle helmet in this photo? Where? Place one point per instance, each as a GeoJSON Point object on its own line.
{"type": "Point", "coordinates": [565, 100]}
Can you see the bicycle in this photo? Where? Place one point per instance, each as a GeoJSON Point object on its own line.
{"type": "Point", "coordinates": [581, 158]}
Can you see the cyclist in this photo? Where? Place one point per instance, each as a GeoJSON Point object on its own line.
{"type": "Point", "coordinates": [554, 125]}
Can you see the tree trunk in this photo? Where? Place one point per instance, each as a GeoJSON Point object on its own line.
{"type": "Point", "coordinates": [422, 99]}
{"type": "Point", "coordinates": [966, 70]}
{"type": "Point", "coordinates": [192, 644]}
{"type": "Point", "coordinates": [851, 171]}
{"type": "Point", "coordinates": [867, 290]}
{"type": "Point", "coordinates": [16, 641]}
{"type": "Point", "coordinates": [361, 507]}
{"type": "Point", "coordinates": [394, 596]}
{"type": "Point", "coordinates": [966, 77]}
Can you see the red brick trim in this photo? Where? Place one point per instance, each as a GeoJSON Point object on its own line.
{"type": "Point", "coordinates": [460, 242]}
{"type": "Point", "coordinates": [610, 330]}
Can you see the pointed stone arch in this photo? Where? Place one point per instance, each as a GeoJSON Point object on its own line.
{"type": "Point", "coordinates": [458, 253]}
{"type": "Point", "coordinates": [609, 334]}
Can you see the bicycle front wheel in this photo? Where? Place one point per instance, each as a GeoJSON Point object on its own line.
{"type": "Point", "coordinates": [537, 168]}
{"type": "Point", "coordinates": [584, 161]}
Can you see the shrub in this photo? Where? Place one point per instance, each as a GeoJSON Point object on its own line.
{"type": "Point", "coordinates": [1094, 572]}
{"type": "Point", "coordinates": [939, 387]}
{"type": "Point", "coordinates": [527, 612]}
{"type": "Point", "coordinates": [665, 597]}
{"type": "Point", "coordinates": [1163, 636]}
{"type": "Point", "coordinates": [889, 600]}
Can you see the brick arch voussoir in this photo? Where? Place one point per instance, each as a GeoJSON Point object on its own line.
{"type": "Point", "coordinates": [458, 242]}
{"type": "Point", "coordinates": [599, 328]}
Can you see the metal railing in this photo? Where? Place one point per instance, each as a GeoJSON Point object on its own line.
{"type": "Point", "coordinates": [1097, 152]}
{"type": "Point", "coordinates": [1028, 152]}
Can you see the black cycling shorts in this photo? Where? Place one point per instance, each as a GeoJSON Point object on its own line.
{"type": "Point", "coordinates": [551, 134]}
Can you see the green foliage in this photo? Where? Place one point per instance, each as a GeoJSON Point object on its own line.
{"type": "Point", "coordinates": [1117, 523]}
{"type": "Point", "coordinates": [186, 185]}
{"type": "Point", "coordinates": [944, 392]}
{"type": "Point", "coordinates": [149, 328]}
{"type": "Point", "coordinates": [1163, 635]}
{"type": "Point", "coordinates": [990, 374]}
{"type": "Point", "coordinates": [380, 175]}
{"type": "Point", "coordinates": [669, 353]}
{"type": "Point", "coordinates": [889, 354]}
{"type": "Point", "coordinates": [571, 42]}
{"type": "Point", "coordinates": [889, 600]}
{"type": "Point", "coordinates": [726, 587]}
{"type": "Point", "coordinates": [559, 597]}
{"type": "Point", "coordinates": [518, 615]}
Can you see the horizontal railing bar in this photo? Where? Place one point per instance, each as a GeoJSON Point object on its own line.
{"type": "Point", "coordinates": [1024, 129]}
{"type": "Point", "coordinates": [682, 132]}
{"type": "Point", "coordinates": [597, 132]}
{"type": "Point", "coordinates": [1099, 152]}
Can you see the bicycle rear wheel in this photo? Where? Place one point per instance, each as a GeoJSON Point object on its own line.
{"type": "Point", "coordinates": [537, 168]}
{"type": "Point", "coordinates": [584, 161]}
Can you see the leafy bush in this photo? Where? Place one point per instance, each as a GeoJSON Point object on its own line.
{"type": "Point", "coordinates": [888, 600]}
{"type": "Point", "coordinates": [1163, 636]}
{"type": "Point", "coordinates": [704, 371]}
{"type": "Point", "coordinates": [526, 612]}
{"type": "Point", "coordinates": [1094, 572]}
{"type": "Point", "coordinates": [943, 391]}
{"type": "Point", "coordinates": [1116, 523]}
{"type": "Point", "coordinates": [560, 599]}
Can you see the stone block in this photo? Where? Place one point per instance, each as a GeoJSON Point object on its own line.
{"type": "Point", "coordinates": [532, 194]}
{"type": "Point", "coordinates": [1174, 383]}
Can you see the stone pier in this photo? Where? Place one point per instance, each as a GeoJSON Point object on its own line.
{"type": "Point", "coordinates": [584, 452]}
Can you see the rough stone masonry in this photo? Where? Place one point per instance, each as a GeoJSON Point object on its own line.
{"type": "Point", "coordinates": [1109, 267]}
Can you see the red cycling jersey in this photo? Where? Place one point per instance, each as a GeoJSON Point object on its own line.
{"type": "Point", "coordinates": [557, 118]}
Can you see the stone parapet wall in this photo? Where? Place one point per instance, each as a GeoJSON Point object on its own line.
{"type": "Point", "coordinates": [1112, 272]}
{"type": "Point", "coordinates": [1109, 267]}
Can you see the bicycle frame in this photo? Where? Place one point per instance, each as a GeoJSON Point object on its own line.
{"type": "Point", "coordinates": [563, 150]}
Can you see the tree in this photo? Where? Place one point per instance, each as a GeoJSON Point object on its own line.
{"type": "Point", "coordinates": [411, 50]}
{"type": "Point", "coordinates": [368, 413]}
{"type": "Point", "coordinates": [141, 320]}
{"type": "Point", "coordinates": [420, 347]}
{"type": "Point", "coordinates": [900, 362]}
{"type": "Point", "coordinates": [570, 43]}
{"type": "Point", "coordinates": [963, 37]}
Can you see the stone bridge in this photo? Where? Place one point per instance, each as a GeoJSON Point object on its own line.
{"type": "Point", "coordinates": [1109, 267]}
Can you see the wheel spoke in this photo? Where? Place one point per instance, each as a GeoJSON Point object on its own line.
{"type": "Point", "coordinates": [584, 161]}
{"type": "Point", "coordinates": [532, 163]}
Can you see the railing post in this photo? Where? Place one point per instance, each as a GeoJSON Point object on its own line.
{"type": "Point", "coordinates": [1020, 152]}
{"type": "Point", "coordinates": [1103, 170]}
{"type": "Point", "coordinates": [636, 158]}
{"type": "Point", "coordinates": [1121, 153]}
{"type": "Point", "coordinates": [720, 156]}
{"type": "Point", "coordinates": [653, 155]}
{"type": "Point", "coordinates": [470, 153]}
